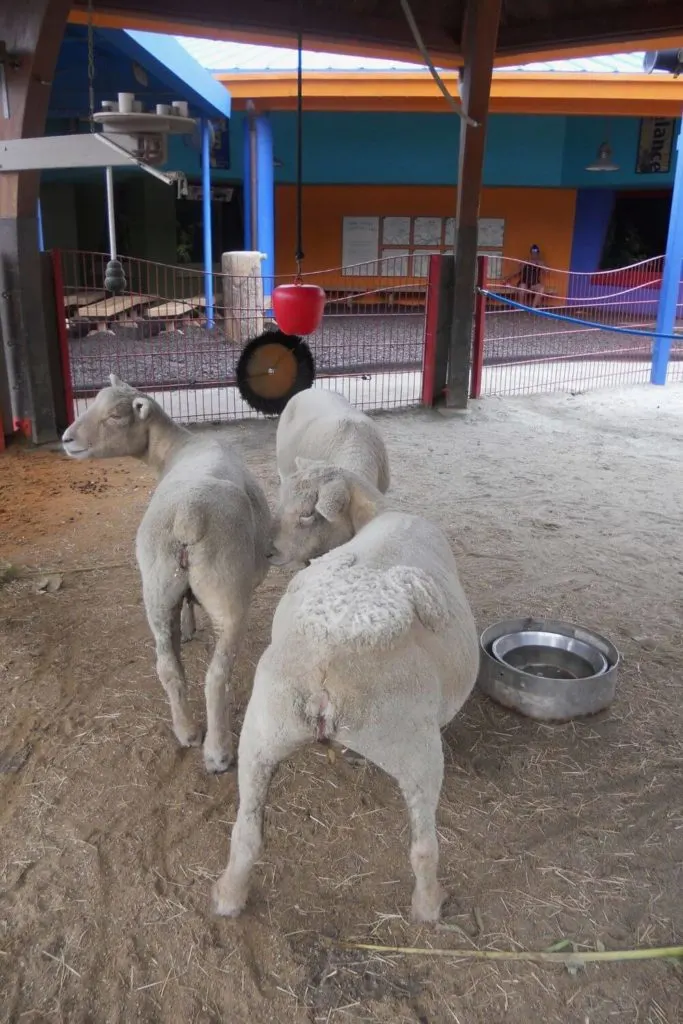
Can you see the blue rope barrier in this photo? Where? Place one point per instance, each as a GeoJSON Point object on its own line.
{"type": "Point", "coordinates": [575, 320]}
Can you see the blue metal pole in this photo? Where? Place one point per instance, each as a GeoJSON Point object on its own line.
{"type": "Point", "coordinates": [249, 242]}
{"type": "Point", "coordinates": [206, 211]}
{"type": "Point", "coordinates": [41, 237]}
{"type": "Point", "coordinates": [671, 277]}
{"type": "Point", "coordinates": [265, 204]}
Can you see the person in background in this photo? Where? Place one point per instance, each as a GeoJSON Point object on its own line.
{"type": "Point", "coordinates": [529, 280]}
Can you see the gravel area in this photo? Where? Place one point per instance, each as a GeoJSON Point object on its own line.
{"type": "Point", "coordinates": [352, 342]}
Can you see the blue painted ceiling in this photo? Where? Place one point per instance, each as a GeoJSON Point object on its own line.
{"type": "Point", "coordinates": [115, 71]}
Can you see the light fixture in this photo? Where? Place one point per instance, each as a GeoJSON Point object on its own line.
{"type": "Point", "coordinates": [603, 161]}
{"type": "Point", "coordinates": [139, 74]}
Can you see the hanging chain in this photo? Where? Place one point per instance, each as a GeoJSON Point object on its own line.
{"type": "Point", "coordinates": [91, 67]}
{"type": "Point", "coordinates": [299, 255]}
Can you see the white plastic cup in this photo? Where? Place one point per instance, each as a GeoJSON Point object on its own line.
{"type": "Point", "coordinates": [126, 100]}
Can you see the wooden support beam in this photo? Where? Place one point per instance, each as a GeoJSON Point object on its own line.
{"type": "Point", "coordinates": [32, 33]}
{"type": "Point", "coordinates": [480, 32]}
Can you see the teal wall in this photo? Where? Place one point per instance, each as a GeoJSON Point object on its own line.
{"type": "Point", "coordinates": [422, 149]}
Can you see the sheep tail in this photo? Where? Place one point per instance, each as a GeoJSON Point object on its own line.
{"type": "Point", "coordinates": [189, 524]}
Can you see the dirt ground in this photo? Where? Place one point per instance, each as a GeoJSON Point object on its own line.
{"type": "Point", "coordinates": [110, 835]}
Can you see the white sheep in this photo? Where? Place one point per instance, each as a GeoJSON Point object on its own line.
{"type": "Point", "coordinates": [205, 535]}
{"type": "Point", "coordinates": [324, 426]}
{"type": "Point", "coordinates": [373, 646]}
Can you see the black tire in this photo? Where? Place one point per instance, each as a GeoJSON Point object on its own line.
{"type": "Point", "coordinates": [271, 369]}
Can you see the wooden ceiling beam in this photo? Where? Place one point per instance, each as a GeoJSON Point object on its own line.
{"type": "Point", "coordinates": [479, 37]}
{"type": "Point", "coordinates": [603, 26]}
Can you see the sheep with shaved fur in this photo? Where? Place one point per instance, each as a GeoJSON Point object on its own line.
{"type": "Point", "coordinates": [323, 426]}
{"type": "Point", "coordinates": [205, 536]}
{"type": "Point", "coordinates": [373, 646]}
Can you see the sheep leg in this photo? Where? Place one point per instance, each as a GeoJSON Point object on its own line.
{"type": "Point", "coordinates": [421, 794]}
{"type": "Point", "coordinates": [218, 747]}
{"type": "Point", "coordinates": [166, 630]}
{"type": "Point", "coordinates": [266, 739]}
{"type": "Point", "coordinates": [415, 760]}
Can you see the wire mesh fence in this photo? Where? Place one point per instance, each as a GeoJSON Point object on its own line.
{"type": "Point", "coordinates": [527, 352]}
{"type": "Point", "coordinates": [180, 342]}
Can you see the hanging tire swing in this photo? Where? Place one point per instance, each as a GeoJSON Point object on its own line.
{"type": "Point", "coordinates": [278, 364]}
{"type": "Point", "coordinates": [272, 368]}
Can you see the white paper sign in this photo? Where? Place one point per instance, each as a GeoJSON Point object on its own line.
{"type": "Point", "coordinates": [360, 243]}
{"type": "Point", "coordinates": [396, 230]}
{"type": "Point", "coordinates": [491, 232]}
{"type": "Point", "coordinates": [427, 231]}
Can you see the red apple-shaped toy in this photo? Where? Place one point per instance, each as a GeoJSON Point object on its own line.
{"type": "Point", "coordinates": [298, 308]}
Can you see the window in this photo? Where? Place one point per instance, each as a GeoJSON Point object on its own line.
{"type": "Point", "coordinates": [637, 230]}
{"type": "Point", "coordinates": [401, 246]}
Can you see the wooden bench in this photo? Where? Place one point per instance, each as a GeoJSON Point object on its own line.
{"type": "Point", "coordinates": [396, 295]}
{"type": "Point", "coordinates": [113, 307]}
{"type": "Point", "coordinates": [506, 289]}
{"type": "Point", "coordinates": [73, 300]}
{"type": "Point", "coordinates": [173, 310]}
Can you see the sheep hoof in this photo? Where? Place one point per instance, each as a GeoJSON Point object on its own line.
{"type": "Point", "coordinates": [219, 762]}
{"type": "Point", "coordinates": [426, 907]}
{"type": "Point", "coordinates": [191, 736]}
{"type": "Point", "coordinates": [225, 905]}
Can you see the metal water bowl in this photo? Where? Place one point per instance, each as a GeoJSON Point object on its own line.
{"type": "Point", "coordinates": [546, 669]}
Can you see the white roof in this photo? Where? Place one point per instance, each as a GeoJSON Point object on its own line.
{"type": "Point", "coordinates": [236, 58]}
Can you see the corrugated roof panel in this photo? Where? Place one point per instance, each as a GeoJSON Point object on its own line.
{"type": "Point", "coordinates": [233, 58]}
{"type": "Point", "coordinates": [615, 63]}
{"type": "Point", "coordinates": [241, 57]}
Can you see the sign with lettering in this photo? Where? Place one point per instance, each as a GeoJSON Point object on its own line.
{"type": "Point", "coordinates": [655, 145]}
{"type": "Point", "coordinates": [220, 146]}
{"type": "Point", "coordinates": [219, 193]}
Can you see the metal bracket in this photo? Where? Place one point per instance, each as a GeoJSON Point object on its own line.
{"type": "Point", "coordinates": [65, 152]}
{"type": "Point", "coordinates": [181, 181]}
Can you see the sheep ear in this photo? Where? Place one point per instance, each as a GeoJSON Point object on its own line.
{"type": "Point", "coordinates": [142, 407]}
{"type": "Point", "coordinates": [362, 507]}
{"type": "Point", "coordinates": [116, 382]}
{"type": "Point", "coordinates": [332, 500]}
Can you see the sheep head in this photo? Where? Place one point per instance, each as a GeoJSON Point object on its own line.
{"type": "Point", "coordinates": [117, 423]}
{"type": "Point", "coordinates": [320, 508]}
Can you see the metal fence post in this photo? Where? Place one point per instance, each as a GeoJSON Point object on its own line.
{"type": "Point", "coordinates": [479, 333]}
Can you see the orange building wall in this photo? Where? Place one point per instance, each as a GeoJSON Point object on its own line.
{"type": "Point", "coordinates": [544, 216]}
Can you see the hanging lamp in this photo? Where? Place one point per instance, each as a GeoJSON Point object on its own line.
{"type": "Point", "coordinates": [603, 160]}
{"type": "Point", "coordinates": [278, 364]}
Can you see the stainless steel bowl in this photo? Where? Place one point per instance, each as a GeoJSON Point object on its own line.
{"type": "Point", "coordinates": [551, 655]}
{"type": "Point", "coordinates": [547, 669]}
